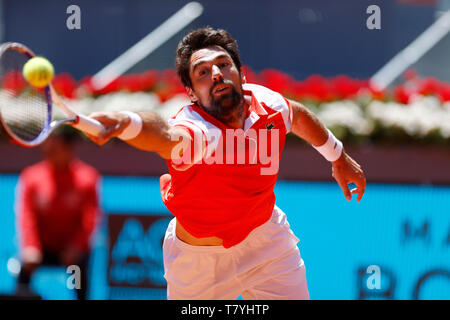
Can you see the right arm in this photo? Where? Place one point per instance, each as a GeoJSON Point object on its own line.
{"type": "Point", "coordinates": [30, 244]}
{"type": "Point", "coordinates": [156, 134]}
{"type": "Point", "coordinates": [307, 126]}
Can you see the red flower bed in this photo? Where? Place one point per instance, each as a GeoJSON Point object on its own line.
{"type": "Point", "coordinates": [65, 85]}
{"type": "Point", "coordinates": [315, 88]}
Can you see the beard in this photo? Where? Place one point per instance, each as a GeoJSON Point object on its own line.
{"type": "Point", "coordinates": [227, 107]}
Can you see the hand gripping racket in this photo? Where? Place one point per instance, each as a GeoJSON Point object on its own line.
{"type": "Point", "coordinates": [26, 111]}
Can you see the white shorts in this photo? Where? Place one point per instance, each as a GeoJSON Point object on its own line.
{"type": "Point", "coordinates": [264, 266]}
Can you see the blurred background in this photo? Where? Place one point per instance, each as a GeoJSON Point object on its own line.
{"type": "Point", "coordinates": [375, 72]}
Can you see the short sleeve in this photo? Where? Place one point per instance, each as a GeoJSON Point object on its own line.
{"type": "Point", "coordinates": [192, 150]}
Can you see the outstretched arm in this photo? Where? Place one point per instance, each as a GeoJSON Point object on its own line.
{"type": "Point", "coordinates": [156, 134]}
{"type": "Point", "coordinates": [345, 170]}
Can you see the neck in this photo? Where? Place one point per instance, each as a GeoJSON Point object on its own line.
{"type": "Point", "coordinates": [237, 120]}
{"type": "Point", "coordinates": [63, 165]}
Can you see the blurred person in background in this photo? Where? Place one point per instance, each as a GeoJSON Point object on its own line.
{"type": "Point", "coordinates": [57, 209]}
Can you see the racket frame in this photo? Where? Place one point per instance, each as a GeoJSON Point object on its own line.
{"type": "Point", "coordinates": [80, 122]}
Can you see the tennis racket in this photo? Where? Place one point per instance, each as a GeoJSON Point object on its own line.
{"type": "Point", "coordinates": [26, 111]}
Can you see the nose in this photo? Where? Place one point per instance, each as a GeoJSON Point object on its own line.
{"type": "Point", "coordinates": [216, 73]}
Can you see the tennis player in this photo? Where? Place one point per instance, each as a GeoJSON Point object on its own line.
{"type": "Point", "coordinates": [228, 237]}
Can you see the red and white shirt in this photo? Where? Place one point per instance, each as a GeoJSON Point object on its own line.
{"type": "Point", "coordinates": [226, 188]}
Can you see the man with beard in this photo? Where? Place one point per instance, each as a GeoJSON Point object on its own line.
{"type": "Point", "coordinates": [228, 238]}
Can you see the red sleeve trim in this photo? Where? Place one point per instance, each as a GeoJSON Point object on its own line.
{"type": "Point", "coordinates": [291, 113]}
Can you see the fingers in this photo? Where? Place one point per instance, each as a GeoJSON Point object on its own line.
{"type": "Point", "coordinates": [114, 123]}
{"type": "Point", "coordinates": [360, 183]}
{"type": "Point", "coordinates": [349, 171]}
{"type": "Point", "coordinates": [359, 192]}
{"type": "Point", "coordinates": [360, 186]}
{"type": "Point", "coordinates": [96, 139]}
{"type": "Point", "coordinates": [345, 189]}
{"type": "Point", "coordinates": [104, 137]}
{"type": "Point", "coordinates": [342, 182]}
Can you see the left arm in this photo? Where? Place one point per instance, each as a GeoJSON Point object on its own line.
{"type": "Point", "coordinates": [345, 170]}
{"type": "Point", "coordinates": [89, 218]}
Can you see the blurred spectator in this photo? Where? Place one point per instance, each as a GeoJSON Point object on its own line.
{"type": "Point", "coordinates": [57, 211]}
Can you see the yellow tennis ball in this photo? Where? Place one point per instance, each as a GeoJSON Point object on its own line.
{"type": "Point", "coordinates": [38, 71]}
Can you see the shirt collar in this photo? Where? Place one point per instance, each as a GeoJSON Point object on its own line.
{"type": "Point", "coordinates": [255, 105]}
{"type": "Point", "coordinates": [255, 111]}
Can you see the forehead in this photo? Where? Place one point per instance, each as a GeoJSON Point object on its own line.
{"type": "Point", "coordinates": [207, 55]}
{"type": "Point", "coordinates": [56, 139]}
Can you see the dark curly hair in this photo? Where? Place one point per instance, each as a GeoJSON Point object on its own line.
{"type": "Point", "coordinates": [199, 39]}
{"type": "Point", "coordinates": [67, 134]}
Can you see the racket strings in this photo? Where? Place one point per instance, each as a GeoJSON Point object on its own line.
{"type": "Point", "coordinates": [24, 116]}
{"type": "Point", "coordinates": [23, 108]}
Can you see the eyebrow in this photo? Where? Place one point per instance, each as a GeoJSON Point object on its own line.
{"type": "Point", "coordinates": [220, 56]}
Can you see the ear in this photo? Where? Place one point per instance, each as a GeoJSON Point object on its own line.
{"type": "Point", "coordinates": [191, 94]}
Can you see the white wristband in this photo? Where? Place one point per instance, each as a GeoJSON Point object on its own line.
{"type": "Point", "coordinates": [332, 149]}
{"type": "Point", "coordinates": [133, 128]}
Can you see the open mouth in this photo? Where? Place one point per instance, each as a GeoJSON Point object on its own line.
{"type": "Point", "coordinates": [221, 88]}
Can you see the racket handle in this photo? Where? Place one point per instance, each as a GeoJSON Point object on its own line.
{"type": "Point", "coordinates": [88, 125]}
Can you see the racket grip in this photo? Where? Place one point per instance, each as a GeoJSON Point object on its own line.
{"type": "Point", "coordinates": [88, 125]}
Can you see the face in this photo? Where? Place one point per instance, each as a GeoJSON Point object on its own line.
{"type": "Point", "coordinates": [57, 152]}
{"type": "Point", "coordinates": [216, 83]}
